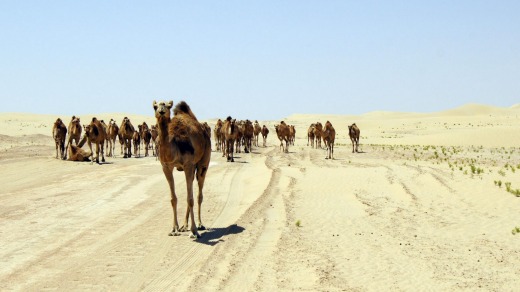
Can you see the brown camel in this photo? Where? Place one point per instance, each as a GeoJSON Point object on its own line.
{"type": "Point", "coordinates": [265, 132]}
{"type": "Point", "coordinates": [146, 137]}
{"type": "Point", "coordinates": [256, 133]}
{"type": "Point", "coordinates": [354, 133]}
{"type": "Point", "coordinates": [310, 135]}
{"type": "Point", "coordinates": [248, 133]}
{"type": "Point", "coordinates": [126, 132]}
{"type": "Point", "coordinates": [59, 133]}
{"type": "Point", "coordinates": [282, 131]}
{"type": "Point", "coordinates": [74, 132]}
{"type": "Point", "coordinates": [95, 133]}
{"type": "Point", "coordinates": [112, 133]}
{"type": "Point", "coordinates": [292, 134]}
{"type": "Point", "coordinates": [329, 135]}
{"type": "Point", "coordinates": [318, 129]}
{"type": "Point", "coordinates": [230, 130]}
{"type": "Point", "coordinates": [217, 133]}
{"type": "Point", "coordinates": [136, 138]}
{"type": "Point", "coordinates": [185, 145]}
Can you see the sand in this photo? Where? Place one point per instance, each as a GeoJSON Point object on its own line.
{"type": "Point", "coordinates": [424, 206]}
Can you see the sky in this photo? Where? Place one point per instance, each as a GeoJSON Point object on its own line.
{"type": "Point", "coordinates": [260, 60]}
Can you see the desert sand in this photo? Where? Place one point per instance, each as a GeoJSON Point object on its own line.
{"type": "Point", "coordinates": [429, 203]}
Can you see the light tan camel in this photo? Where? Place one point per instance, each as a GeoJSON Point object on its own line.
{"type": "Point", "coordinates": [282, 131]}
{"type": "Point", "coordinates": [154, 133]}
{"type": "Point", "coordinates": [217, 133]}
{"type": "Point", "coordinates": [95, 133]}
{"type": "Point", "coordinates": [112, 133]}
{"type": "Point", "coordinates": [310, 135]}
{"type": "Point", "coordinates": [248, 133]}
{"type": "Point", "coordinates": [126, 131]}
{"type": "Point", "coordinates": [329, 135]}
{"type": "Point", "coordinates": [265, 132]}
{"type": "Point", "coordinates": [74, 132]}
{"type": "Point", "coordinates": [78, 154]}
{"type": "Point", "coordinates": [256, 131]}
{"type": "Point", "coordinates": [240, 136]}
{"type": "Point", "coordinates": [230, 130]}
{"type": "Point", "coordinates": [59, 133]}
{"type": "Point", "coordinates": [318, 129]}
{"type": "Point", "coordinates": [185, 145]}
{"type": "Point", "coordinates": [354, 133]}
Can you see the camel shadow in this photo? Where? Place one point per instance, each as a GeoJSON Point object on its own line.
{"type": "Point", "coordinates": [214, 235]}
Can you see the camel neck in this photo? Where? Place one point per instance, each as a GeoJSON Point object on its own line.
{"type": "Point", "coordinates": [163, 127]}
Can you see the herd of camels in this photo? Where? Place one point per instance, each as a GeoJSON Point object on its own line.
{"type": "Point", "coordinates": [182, 142]}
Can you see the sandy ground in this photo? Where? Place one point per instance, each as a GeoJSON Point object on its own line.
{"type": "Point", "coordinates": [424, 206]}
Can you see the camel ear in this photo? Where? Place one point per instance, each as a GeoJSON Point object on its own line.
{"type": "Point", "coordinates": [155, 105]}
{"type": "Point", "coordinates": [169, 104]}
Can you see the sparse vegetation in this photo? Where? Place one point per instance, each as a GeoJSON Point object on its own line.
{"type": "Point", "coordinates": [298, 223]}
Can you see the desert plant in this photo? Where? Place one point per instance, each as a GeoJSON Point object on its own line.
{"type": "Point", "coordinates": [298, 223]}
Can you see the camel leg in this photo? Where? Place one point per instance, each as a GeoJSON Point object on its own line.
{"type": "Point", "coordinates": [189, 171]}
{"type": "Point", "coordinates": [91, 152]}
{"type": "Point", "coordinates": [201, 176]}
{"type": "Point", "coordinates": [168, 173]}
{"type": "Point", "coordinates": [103, 151]}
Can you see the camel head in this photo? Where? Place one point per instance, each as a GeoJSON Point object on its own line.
{"type": "Point", "coordinates": [58, 122]}
{"type": "Point", "coordinates": [162, 109]}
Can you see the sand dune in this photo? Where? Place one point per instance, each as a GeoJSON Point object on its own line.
{"type": "Point", "coordinates": [429, 204]}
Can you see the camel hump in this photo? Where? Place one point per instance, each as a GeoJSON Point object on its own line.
{"type": "Point", "coordinates": [183, 107]}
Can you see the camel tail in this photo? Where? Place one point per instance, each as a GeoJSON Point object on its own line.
{"type": "Point", "coordinates": [183, 107]}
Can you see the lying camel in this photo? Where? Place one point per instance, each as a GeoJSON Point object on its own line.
{"type": "Point", "coordinates": [78, 154]}
{"type": "Point", "coordinates": [59, 132]}
{"type": "Point", "coordinates": [354, 133]}
{"type": "Point", "coordinates": [186, 145]}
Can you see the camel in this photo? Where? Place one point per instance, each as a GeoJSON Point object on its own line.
{"type": "Point", "coordinates": [217, 133]}
{"type": "Point", "coordinates": [310, 135]}
{"type": "Point", "coordinates": [126, 131]}
{"type": "Point", "coordinates": [146, 137]}
{"type": "Point", "coordinates": [112, 133]}
{"type": "Point", "coordinates": [354, 134]}
{"type": "Point", "coordinates": [329, 135]}
{"type": "Point", "coordinates": [256, 133]}
{"type": "Point", "coordinates": [136, 138]}
{"type": "Point", "coordinates": [318, 129]}
{"type": "Point", "coordinates": [292, 134]}
{"type": "Point", "coordinates": [59, 132]}
{"type": "Point", "coordinates": [154, 133]}
{"type": "Point", "coordinates": [230, 130]}
{"type": "Point", "coordinates": [240, 135]}
{"type": "Point", "coordinates": [265, 132]}
{"type": "Point", "coordinates": [248, 131]}
{"type": "Point", "coordinates": [74, 132]}
{"type": "Point", "coordinates": [282, 131]}
{"type": "Point", "coordinates": [78, 154]}
{"type": "Point", "coordinates": [95, 133]}
{"type": "Point", "coordinates": [185, 145]}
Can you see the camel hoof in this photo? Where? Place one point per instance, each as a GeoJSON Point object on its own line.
{"type": "Point", "coordinates": [183, 229]}
{"type": "Point", "coordinates": [174, 233]}
{"type": "Point", "coordinates": [201, 227]}
{"type": "Point", "coordinates": [195, 235]}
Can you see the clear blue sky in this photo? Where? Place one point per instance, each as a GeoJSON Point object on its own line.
{"type": "Point", "coordinates": [257, 59]}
